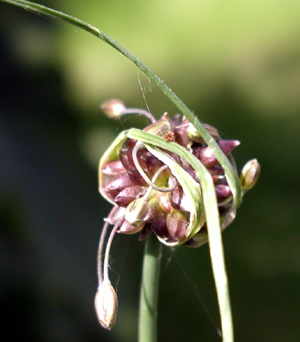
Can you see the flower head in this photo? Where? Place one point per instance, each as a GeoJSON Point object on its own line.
{"type": "Point", "coordinates": [157, 190]}
{"type": "Point", "coordinates": [148, 177]}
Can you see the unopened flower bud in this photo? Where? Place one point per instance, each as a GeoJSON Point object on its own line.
{"type": "Point", "coordinates": [138, 211]}
{"type": "Point", "coordinates": [227, 146]}
{"type": "Point", "coordinates": [160, 127]}
{"type": "Point", "coordinates": [250, 174]}
{"type": "Point", "coordinates": [194, 135]}
{"type": "Point", "coordinates": [126, 196]}
{"type": "Point", "coordinates": [113, 108]}
{"type": "Point", "coordinates": [119, 184]}
{"type": "Point", "coordinates": [207, 156]}
{"type": "Point", "coordinates": [106, 305]}
{"type": "Point", "coordinates": [113, 168]}
{"type": "Point", "coordinates": [127, 228]}
{"type": "Point", "coordinates": [176, 225]}
{"type": "Point", "coordinates": [223, 193]}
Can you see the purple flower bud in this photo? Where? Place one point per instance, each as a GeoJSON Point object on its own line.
{"type": "Point", "coordinates": [113, 168]}
{"type": "Point", "coordinates": [206, 155]}
{"type": "Point", "coordinates": [113, 188]}
{"type": "Point", "coordinates": [158, 225]}
{"type": "Point", "coordinates": [118, 214]}
{"type": "Point", "coordinates": [160, 127]}
{"type": "Point", "coordinates": [148, 163]}
{"type": "Point", "coordinates": [227, 146]}
{"type": "Point", "coordinates": [128, 195]}
{"type": "Point", "coordinates": [176, 225]}
{"type": "Point", "coordinates": [178, 199]}
{"type": "Point", "coordinates": [127, 228]}
{"type": "Point", "coordinates": [223, 193]}
{"type": "Point", "coordinates": [181, 133]}
{"type": "Point", "coordinates": [119, 183]}
{"type": "Point", "coordinates": [216, 172]}
{"type": "Point", "coordinates": [141, 210]}
{"type": "Point", "coordinates": [164, 202]}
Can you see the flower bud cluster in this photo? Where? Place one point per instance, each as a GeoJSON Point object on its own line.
{"type": "Point", "coordinates": [161, 205]}
{"type": "Point", "coordinates": [153, 189]}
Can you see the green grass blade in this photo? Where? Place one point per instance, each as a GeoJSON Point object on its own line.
{"type": "Point", "coordinates": [212, 220]}
{"type": "Point", "coordinates": [223, 160]}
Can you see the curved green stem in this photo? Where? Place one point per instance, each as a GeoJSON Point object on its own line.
{"type": "Point", "coordinates": [221, 157]}
{"type": "Point", "coordinates": [147, 329]}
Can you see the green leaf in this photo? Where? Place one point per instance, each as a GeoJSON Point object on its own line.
{"type": "Point", "coordinates": [212, 221]}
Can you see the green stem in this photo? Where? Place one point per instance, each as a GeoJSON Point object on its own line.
{"type": "Point", "coordinates": [221, 157]}
{"type": "Point", "coordinates": [212, 220]}
{"type": "Point", "coordinates": [147, 330]}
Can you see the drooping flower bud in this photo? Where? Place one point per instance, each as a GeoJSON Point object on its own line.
{"type": "Point", "coordinates": [250, 174]}
{"type": "Point", "coordinates": [113, 108]}
{"type": "Point", "coordinates": [106, 305]}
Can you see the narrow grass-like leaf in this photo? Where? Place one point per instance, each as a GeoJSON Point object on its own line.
{"type": "Point", "coordinates": [212, 220]}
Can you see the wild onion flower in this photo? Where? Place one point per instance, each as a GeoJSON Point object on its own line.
{"type": "Point", "coordinates": [172, 180]}
{"type": "Point", "coordinates": [156, 191]}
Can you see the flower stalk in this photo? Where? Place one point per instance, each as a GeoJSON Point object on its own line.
{"type": "Point", "coordinates": [147, 325]}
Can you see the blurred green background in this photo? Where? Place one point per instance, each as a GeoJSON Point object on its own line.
{"type": "Point", "coordinates": [237, 65]}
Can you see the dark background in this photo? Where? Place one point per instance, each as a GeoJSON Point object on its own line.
{"type": "Point", "coordinates": [237, 65]}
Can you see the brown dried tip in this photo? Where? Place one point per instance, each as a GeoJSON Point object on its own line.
{"type": "Point", "coordinates": [106, 305]}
